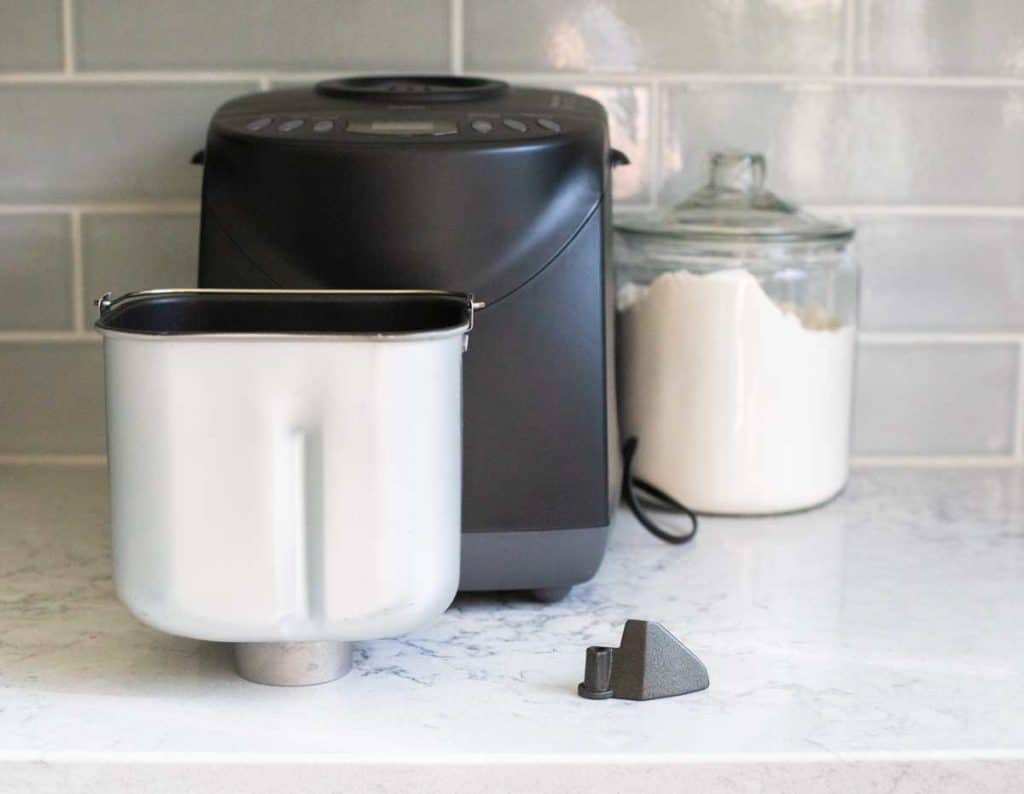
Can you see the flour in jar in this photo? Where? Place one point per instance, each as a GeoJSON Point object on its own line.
{"type": "Point", "coordinates": [739, 405]}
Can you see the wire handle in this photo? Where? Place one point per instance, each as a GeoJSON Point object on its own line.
{"type": "Point", "coordinates": [630, 485]}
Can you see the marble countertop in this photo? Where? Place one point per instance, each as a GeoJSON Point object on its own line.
{"type": "Point", "coordinates": [876, 644]}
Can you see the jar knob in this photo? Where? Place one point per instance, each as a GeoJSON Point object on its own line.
{"type": "Point", "coordinates": [739, 171]}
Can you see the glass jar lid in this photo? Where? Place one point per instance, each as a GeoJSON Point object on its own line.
{"type": "Point", "coordinates": [736, 206]}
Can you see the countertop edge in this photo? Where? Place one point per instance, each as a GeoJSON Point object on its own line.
{"type": "Point", "coordinates": [966, 772]}
{"type": "Point", "coordinates": [512, 759]}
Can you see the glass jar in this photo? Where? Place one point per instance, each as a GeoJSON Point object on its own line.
{"type": "Point", "coordinates": [736, 333]}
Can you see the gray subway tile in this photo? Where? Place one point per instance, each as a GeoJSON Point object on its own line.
{"type": "Point", "coordinates": [627, 35]}
{"type": "Point", "coordinates": [941, 273]}
{"type": "Point", "coordinates": [868, 144]}
{"type": "Point", "coordinates": [125, 252]}
{"type": "Point", "coordinates": [30, 35]}
{"type": "Point", "coordinates": [105, 142]}
{"type": "Point", "coordinates": [51, 398]}
{"type": "Point", "coordinates": [940, 37]}
{"type": "Point", "coordinates": [936, 399]}
{"type": "Point", "coordinates": [262, 34]}
{"type": "Point", "coordinates": [939, 145]}
{"type": "Point", "coordinates": [35, 272]}
{"type": "Point", "coordinates": [800, 131]}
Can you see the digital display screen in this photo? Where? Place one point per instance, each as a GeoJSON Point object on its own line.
{"type": "Point", "coordinates": [402, 127]}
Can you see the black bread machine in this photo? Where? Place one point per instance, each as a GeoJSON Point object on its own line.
{"type": "Point", "coordinates": [462, 184]}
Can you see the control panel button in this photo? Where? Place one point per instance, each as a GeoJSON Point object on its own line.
{"type": "Point", "coordinates": [483, 126]}
{"type": "Point", "coordinates": [548, 124]}
{"type": "Point", "coordinates": [323, 126]}
{"type": "Point", "coordinates": [258, 124]}
{"type": "Point", "coordinates": [288, 126]}
{"type": "Point", "coordinates": [514, 124]}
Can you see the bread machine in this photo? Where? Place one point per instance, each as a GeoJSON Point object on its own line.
{"type": "Point", "coordinates": [463, 184]}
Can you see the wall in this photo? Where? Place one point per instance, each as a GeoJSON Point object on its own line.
{"type": "Point", "coordinates": [904, 117]}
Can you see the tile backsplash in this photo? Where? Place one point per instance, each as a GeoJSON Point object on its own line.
{"type": "Point", "coordinates": [905, 118]}
{"type": "Point", "coordinates": [630, 36]}
{"type": "Point", "coordinates": [261, 34]}
{"type": "Point", "coordinates": [860, 144]}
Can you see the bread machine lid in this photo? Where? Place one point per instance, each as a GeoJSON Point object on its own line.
{"type": "Point", "coordinates": [413, 89]}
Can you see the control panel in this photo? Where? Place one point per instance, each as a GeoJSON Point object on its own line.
{"type": "Point", "coordinates": [320, 127]}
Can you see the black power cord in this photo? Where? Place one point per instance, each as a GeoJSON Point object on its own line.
{"type": "Point", "coordinates": [630, 486]}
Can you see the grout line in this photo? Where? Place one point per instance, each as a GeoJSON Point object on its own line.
{"type": "Point", "coordinates": [170, 206]}
{"type": "Point", "coordinates": [850, 36]}
{"type": "Point", "coordinates": [312, 77]}
{"type": "Point", "coordinates": [131, 78]}
{"type": "Point", "coordinates": [936, 461]}
{"type": "Point", "coordinates": [456, 35]}
{"type": "Point", "coordinates": [77, 273]}
{"type": "Point", "coordinates": [35, 209]}
{"type": "Point", "coordinates": [780, 79]}
{"type": "Point", "coordinates": [754, 78]}
{"type": "Point", "coordinates": [943, 81]}
{"type": "Point", "coordinates": [192, 205]}
{"type": "Point", "coordinates": [711, 78]}
{"type": "Point", "coordinates": [879, 338]}
{"type": "Point", "coordinates": [939, 337]}
{"type": "Point", "coordinates": [84, 336]}
{"type": "Point", "coordinates": [633, 78]}
{"type": "Point", "coordinates": [860, 461]}
{"type": "Point", "coordinates": [67, 21]}
{"type": "Point", "coordinates": [1019, 414]}
{"type": "Point", "coordinates": [924, 210]}
{"type": "Point", "coordinates": [632, 207]}
{"type": "Point", "coordinates": [53, 460]}
{"type": "Point", "coordinates": [654, 152]}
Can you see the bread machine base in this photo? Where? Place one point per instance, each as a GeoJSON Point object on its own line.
{"type": "Point", "coordinates": [531, 560]}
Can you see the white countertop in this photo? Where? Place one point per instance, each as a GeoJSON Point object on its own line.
{"type": "Point", "coordinates": [876, 644]}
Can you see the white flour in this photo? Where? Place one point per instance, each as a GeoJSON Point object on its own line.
{"type": "Point", "coordinates": [739, 406]}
